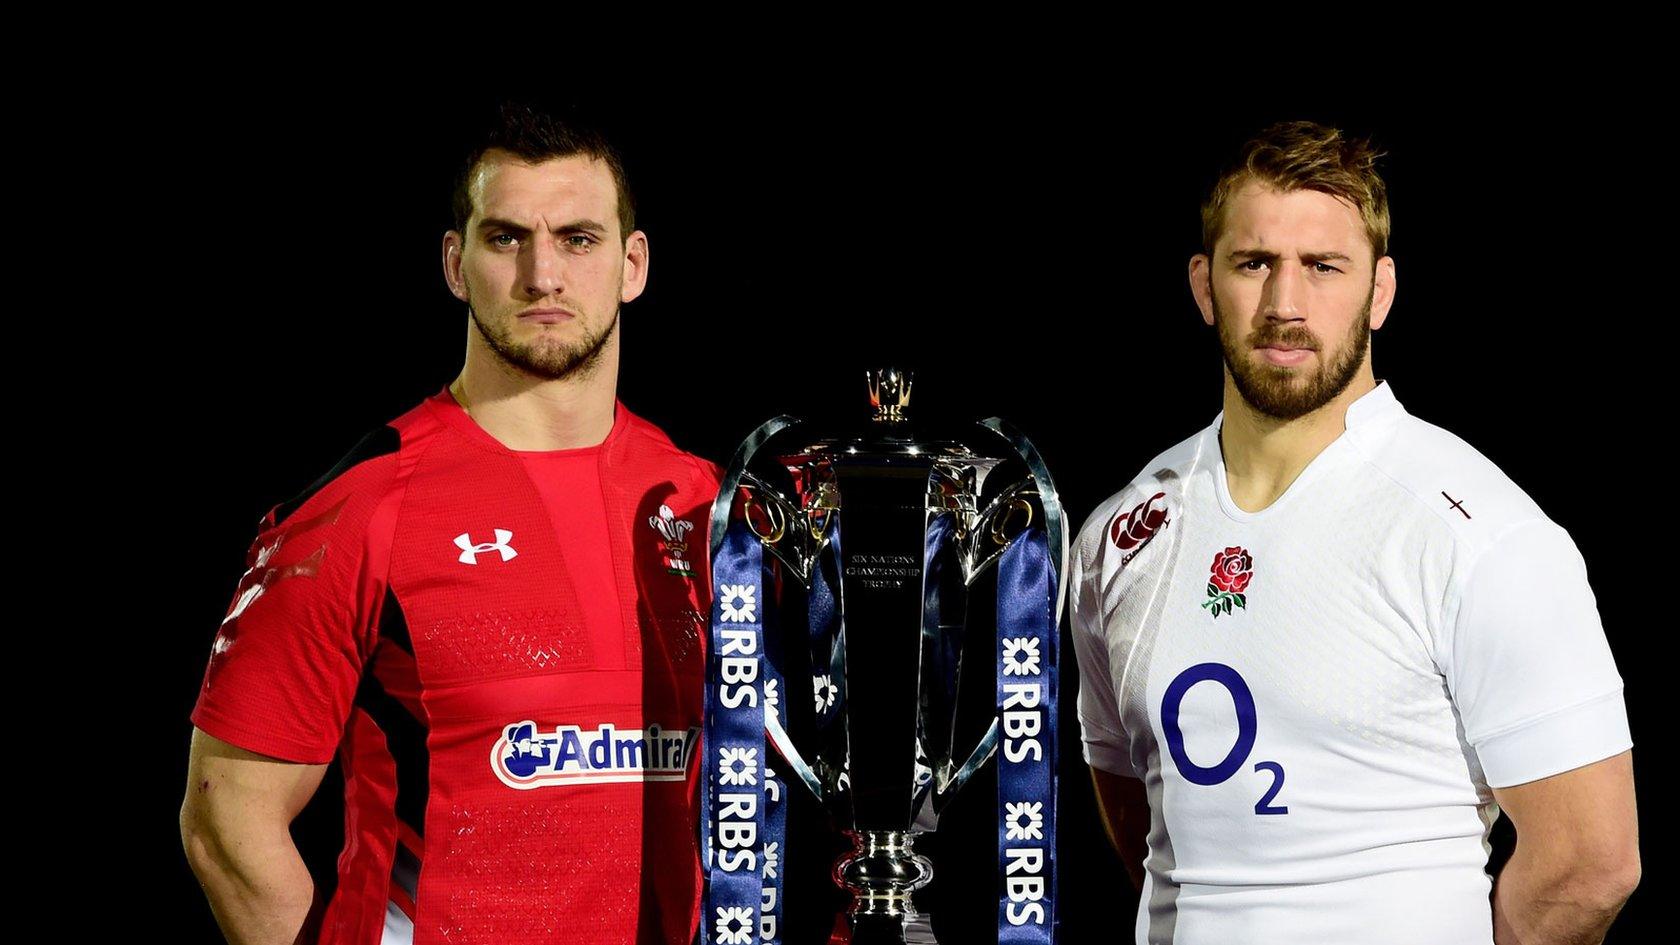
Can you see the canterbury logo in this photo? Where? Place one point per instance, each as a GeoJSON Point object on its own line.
{"type": "Point", "coordinates": [1134, 529]}
{"type": "Point", "coordinates": [470, 551]}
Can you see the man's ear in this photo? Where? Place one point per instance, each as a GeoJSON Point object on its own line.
{"type": "Point", "coordinates": [453, 243]}
{"type": "Point", "coordinates": [1383, 287]}
{"type": "Point", "coordinates": [635, 267]}
{"type": "Point", "coordinates": [1201, 284]}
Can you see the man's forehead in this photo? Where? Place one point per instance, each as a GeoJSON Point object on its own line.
{"type": "Point", "coordinates": [1263, 217]}
{"type": "Point", "coordinates": [506, 186]}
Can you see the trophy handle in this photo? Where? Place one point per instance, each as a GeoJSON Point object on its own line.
{"type": "Point", "coordinates": [737, 468]}
{"type": "Point", "coordinates": [978, 552]}
{"type": "Point", "coordinates": [1055, 524]}
{"type": "Point", "coordinates": [784, 747]}
{"type": "Point", "coordinates": [982, 753]}
{"type": "Point", "coordinates": [1056, 531]}
{"type": "Point", "coordinates": [721, 509]}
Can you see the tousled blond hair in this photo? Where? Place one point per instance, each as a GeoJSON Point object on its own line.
{"type": "Point", "coordinates": [1305, 155]}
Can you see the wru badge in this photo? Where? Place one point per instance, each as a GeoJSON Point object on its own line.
{"type": "Point", "coordinates": [848, 566]}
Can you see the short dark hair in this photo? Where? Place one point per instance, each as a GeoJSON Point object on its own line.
{"type": "Point", "coordinates": [1305, 155]}
{"type": "Point", "coordinates": [535, 135]}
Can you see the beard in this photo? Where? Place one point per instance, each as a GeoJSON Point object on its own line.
{"type": "Point", "coordinates": [1283, 393]}
{"type": "Point", "coordinates": [543, 356]}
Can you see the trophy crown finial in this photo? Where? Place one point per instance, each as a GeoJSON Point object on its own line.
{"type": "Point", "coordinates": [889, 394]}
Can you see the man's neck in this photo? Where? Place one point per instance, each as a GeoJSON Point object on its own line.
{"type": "Point", "coordinates": [527, 413]}
{"type": "Point", "coordinates": [1263, 455]}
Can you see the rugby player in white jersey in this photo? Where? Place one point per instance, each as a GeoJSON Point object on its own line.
{"type": "Point", "coordinates": [1323, 643]}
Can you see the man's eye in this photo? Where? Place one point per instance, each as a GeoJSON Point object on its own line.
{"type": "Point", "coordinates": [1324, 267]}
{"type": "Point", "coordinates": [1252, 265]}
{"type": "Point", "coordinates": [502, 239]}
{"type": "Point", "coordinates": [580, 241]}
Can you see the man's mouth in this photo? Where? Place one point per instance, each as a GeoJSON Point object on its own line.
{"type": "Point", "coordinates": [1284, 355]}
{"type": "Point", "coordinates": [545, 316]}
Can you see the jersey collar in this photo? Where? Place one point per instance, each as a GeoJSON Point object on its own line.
{"type": "Point", "coordinates": [449, 409]}
{"type": "Point", "coordinates": [1373, 405]}
{"type": "Point", "coordinates": [1371, 408]}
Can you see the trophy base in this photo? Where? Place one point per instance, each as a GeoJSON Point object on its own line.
{"type": "Point", "coordinates": [881, 873]}
{"type": "Point", "coordinates": [885, 930]}
{"type": "Point", "coordinates": [918, 930]}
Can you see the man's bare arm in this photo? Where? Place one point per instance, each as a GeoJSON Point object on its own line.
{"type": "Point", "coordinates": [235, 827]}
{"type": "Point", "coordinates": [1577, 855]}
{"type": "Point", "coordinates": [1124, 809]}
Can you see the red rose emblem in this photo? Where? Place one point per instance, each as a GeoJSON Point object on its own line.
{"type": "Point", "coordinates": [1232, 569]}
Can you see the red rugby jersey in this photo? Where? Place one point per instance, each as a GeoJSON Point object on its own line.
{"type": "Point", "coordinates": [504, 649]}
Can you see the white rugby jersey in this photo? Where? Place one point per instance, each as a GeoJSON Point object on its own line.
{"type": "Point", "coordinates": [1318, 696]}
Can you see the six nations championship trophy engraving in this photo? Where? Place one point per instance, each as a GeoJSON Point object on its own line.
{"type": "Point", "coordinates": [845, 653]}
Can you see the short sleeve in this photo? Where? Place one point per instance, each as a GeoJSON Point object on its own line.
{"type": "Point", "coordinates": [1099, 712]}
{"type": "Point", "coordinates": [287, 659]}
{"type": "Point", "coordinates": [1528, 665]}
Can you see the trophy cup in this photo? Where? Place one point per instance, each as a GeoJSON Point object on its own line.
{"type": "Point", "coordinates": [847, 649]}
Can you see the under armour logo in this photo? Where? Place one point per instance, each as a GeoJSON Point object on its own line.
{"type": "Point", "coordinates": [470, 551]}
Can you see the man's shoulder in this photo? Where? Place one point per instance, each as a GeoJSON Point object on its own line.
{"type": "Point", "coordinates": [1449, 479]}
{"type": "Point", "coordinates": [361, 476]}
{"type": "Point", "coordinates": [648, 445]}
{"type": "Point", "coordinates": [1145, 503]}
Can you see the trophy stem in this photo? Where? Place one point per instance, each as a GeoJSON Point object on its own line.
{"type": "Point", "coordinates": [881, 872]}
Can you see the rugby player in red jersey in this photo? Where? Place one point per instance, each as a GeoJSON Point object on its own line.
{"type": "Point", "coordinates": [489, 613]}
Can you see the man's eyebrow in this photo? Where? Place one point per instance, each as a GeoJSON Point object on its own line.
{"type": "Point", "coordinates": [586, 226]}
{"type": "Point", "coordinates": [575, 226]}
{"type": "Point", "coordinates": [1305, 257]}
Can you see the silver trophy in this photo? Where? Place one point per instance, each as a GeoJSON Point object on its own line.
{"type": "Point", "coordinates": [888, 524]}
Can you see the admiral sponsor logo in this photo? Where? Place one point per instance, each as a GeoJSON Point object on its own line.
{"type": "Point", "coordinates": [1131, 531]}
{"type": "Point", "coordinates": [525, 758]}
{"type": "Point", "coordinates": [1025, 877]}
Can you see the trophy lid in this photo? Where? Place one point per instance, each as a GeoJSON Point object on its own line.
{"type": "Point", "coordinates": [889, 394]}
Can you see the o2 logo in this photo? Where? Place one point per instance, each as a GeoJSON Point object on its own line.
{"type": "Point", "coordinates": [1247, 728]}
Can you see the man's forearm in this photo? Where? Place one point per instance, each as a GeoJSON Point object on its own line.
{"type": "Point", "coordinates": [1123, 809]}
{"type": "Point", "coordinates": [1541, 903]}
{"type": "Point", "coordinates": [258, 886]}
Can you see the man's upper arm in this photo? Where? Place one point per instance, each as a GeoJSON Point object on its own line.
{"type": "Point", "coordinates": [1101, 732]}
{"type": "Point", "coordinates": [1585, 816]}
{"type": "Point", "coordinates": [1527, 662]}
{"type": "Point", "coordinates": [226, 781]}
{"type": "Point", "coordinates": [287, 661]}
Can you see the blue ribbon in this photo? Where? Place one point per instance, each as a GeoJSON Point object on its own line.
{"type": "Point", "coordinates": [1026, 691]}
{"type": "Point", "coordinates": [773, 841]}
{"type": "Point", "coordinates": [827, 626]}
{"type": "Point", "coordinates": [734, 749]}
{"type": "Point", "coordinates": [946, 649]}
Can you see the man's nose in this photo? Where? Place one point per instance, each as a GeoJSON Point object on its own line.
{"type": "Point", "coordinates": [1285, 293]}
{"type": "Point", "coordinates": [544, 269]}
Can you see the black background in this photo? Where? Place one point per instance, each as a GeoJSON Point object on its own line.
{"type": "Point", "coordinates": [1022, 248]}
